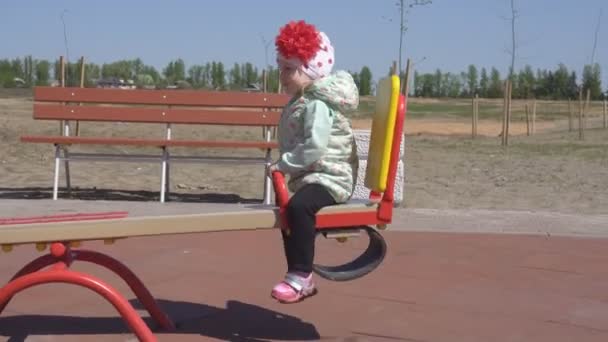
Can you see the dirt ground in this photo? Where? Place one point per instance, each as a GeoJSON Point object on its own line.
{"type": "Point", "coordinates": [440, 284]}
{"type": "Point", "coordinates": [445, 168]}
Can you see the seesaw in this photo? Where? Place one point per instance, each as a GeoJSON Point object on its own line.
{"type": "Point", "coordinates": [64, 233]}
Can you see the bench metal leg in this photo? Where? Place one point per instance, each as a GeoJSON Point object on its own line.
{"type": "Point", "coordinates": [267, 180]}
{"type": "Point", "coordinates": [163, 177]}
{"type": "Point", "coordinates": [168, 176]}
{"type": "Point", "coordinates": [66, 164]}
{"type": "Point", "coordinates": [267, 190]}
{"type": "Point", "coordinates": [56, 177]}
{"type": "Point", "coordinates": [166, 159]}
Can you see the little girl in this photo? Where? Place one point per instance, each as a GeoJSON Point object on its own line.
{"type": "Point", "coordinates": [316, 143]}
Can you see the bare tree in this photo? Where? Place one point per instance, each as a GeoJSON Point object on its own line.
{"type": "Point", "coordinates": [266, 44]}
{"type": "Point", "coordinates": [514, 15]}
{"type": "Point", "coordinates": [404, 8]}
{"type": "Point", "coordinates": [65, 40]}
{"type": "Point", "coordinates": [597, 31]}
{"type": "Point", "coordinates": [508, 82]}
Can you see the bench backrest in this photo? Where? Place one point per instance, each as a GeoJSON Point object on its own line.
{"type": "Point", "coordinates": [158, 106]}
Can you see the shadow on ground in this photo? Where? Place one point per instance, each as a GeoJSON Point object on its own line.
{"type": "Point", "coordinates": [236, 322]}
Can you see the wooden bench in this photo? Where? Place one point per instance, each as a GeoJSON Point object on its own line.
{"type": "Point", "coordinates": [166, 107]}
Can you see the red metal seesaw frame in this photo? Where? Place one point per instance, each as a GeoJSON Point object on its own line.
{"type": "Point", "coordinates": [60, 259]}
{"type": "Point", "coordinates": [62, 256]}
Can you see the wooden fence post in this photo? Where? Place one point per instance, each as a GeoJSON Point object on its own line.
{"type": "Point", "coordinates": [570, 116]}
{"type": "Point", "coordinates": [504, 114]}
{"type": "Point", "coordinates": [528, 119]}
{"type": "Point", "coordinates": [605, 113]}
{"type": "Point", "coordinates": [586, 108]}
{"type": "Point", "coordinates": [509, 109]}
{"type": "Point", "coordinates": [475, 116]}
{"type": "Point", "coordinates": [534, 117]}
{"type": "Point", "coordinates": [581, 131]}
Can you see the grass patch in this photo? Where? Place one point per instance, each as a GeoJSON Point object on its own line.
{"type": "Point", "coordinates": [490, 109]}
{"type": "Point", "coordinates": [593, 148]}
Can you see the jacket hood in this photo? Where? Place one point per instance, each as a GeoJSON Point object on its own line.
{"type": "Point", "coordinates": [338, 90]}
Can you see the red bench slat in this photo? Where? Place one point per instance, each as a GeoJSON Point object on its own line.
{"type": "Point", "coordinates": [156, 115]}
{"type": "Point", "coordinates": [160, 97]}
{"type": "Point", "coordinates": [66, 140]}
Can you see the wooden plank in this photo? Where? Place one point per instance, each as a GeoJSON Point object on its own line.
{"type": "Point", "coordinates": [234, 217]}
{"type": "Point", "coordinates": [156, 115]}
{"type": "Point", "coordinates": [68, 140]}
{"type": "Point", "coordinates": [160, 97]}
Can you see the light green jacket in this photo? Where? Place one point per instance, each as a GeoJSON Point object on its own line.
{"type": "Point", "coordinates": [316, 140]}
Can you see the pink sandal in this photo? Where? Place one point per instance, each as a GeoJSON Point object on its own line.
{"type": "Point", "coordinates": [294, 288]}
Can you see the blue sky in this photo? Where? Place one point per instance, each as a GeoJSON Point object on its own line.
{"type": "Point", "coordinates": [448, 34]}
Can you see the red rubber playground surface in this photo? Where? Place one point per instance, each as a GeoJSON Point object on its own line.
{"type": "Point", "coordinates": [432, 287]}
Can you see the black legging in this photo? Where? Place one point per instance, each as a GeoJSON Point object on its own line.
{"type": "Point", "coordinates": [301, 210]}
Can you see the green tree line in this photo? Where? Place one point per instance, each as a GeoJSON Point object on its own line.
{"type": "Point", "coordinates": [558, 84]}
{"type": "Point", "coordinates": [28, 72]}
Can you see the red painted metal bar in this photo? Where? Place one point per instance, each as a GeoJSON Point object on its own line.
{"type": "Point", "coordinates": [133, 320]}
{"type": "Point", "coordinates": [143, 295]}
{"type": "Point", "coordinates": [282, 197]}
{"type": "Point", "coordinates": [341, 220]}
{"type": "Point", "coordinates": [34, 266]}
{"type": "Point", "coordinates": [65, 217]}
{"type": "Point", "coordinates": [61, 257]}
{"type": "Point", "coordinates": [385, 210]}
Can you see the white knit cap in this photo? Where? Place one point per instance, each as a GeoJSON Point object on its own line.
{"type": "Point", "coordinates": [314, 56]}
{"type": "Point", "coordinates": [323, 62]}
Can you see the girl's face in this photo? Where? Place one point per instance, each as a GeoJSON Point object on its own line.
{"type": "Point", "coordinates": [293, 79]}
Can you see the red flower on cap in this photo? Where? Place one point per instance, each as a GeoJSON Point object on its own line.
{"type": "Point", "coordinates": [298, 39]}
